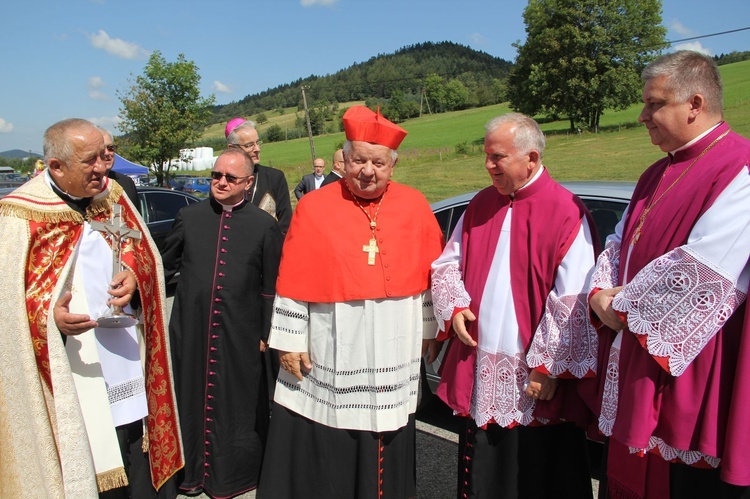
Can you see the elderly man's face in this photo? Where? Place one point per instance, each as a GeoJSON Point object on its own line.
{"type": "Point", "coordinates": [509, 169]}
{"type": "Point", "coordinates": [81, 175]}
{"type": "Point", "coordinates": [666, 120]}
{"type": "Point", "coordinates": [234, 179]}
{"type": "Point", "coordinates": [109, 151]}
{"type": "Point", "coordinates": [247, 140]}
{"type": "Point", "coordinates": [368, 169]}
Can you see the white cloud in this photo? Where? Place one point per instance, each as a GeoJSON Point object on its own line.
{"type": "Point", "coordinates": [680, 28]}
{"type": "Point", "coordinates": [316, 3]}
{"type": "Point", "coordinates": [478, 39]}
{"type": "Point", "coordinates": [108, 122]}
{"type": "Point", "coordinates": [95, 84]}
{"type": "Point", "coordinates": [5, 127]}
{"type": "Point", "coordinates": [694, 46]}
{"type": "Point", "coordinates": [221, 87]}
{"type": "Point", "coordinates": [117, 47]}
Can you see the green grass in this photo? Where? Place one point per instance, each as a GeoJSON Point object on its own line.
{"type": "Point", "coordinates": [428, 161]}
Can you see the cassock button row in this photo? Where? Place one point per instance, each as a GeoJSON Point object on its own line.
{"type": "Point", "coordinates": [209, 420]}
{"type": "Point", "coordinates": [220, 287]}
{"type": "Point", "coordinates": [209, 408]}
{"type": "Point", "coordinates": [215, 324]}
{"type": "Point", "coordinates": [223, 238]}
{"type": "Point", "coordinates": [221, 274]}
{"type": "Point", "coordinates": [213, 349]}
{"type": "Point", "coordinates": [223, 250]}
{"type": "Point", "coordinates": [214, 336]}
{"type": "Point", "coordinates": [226, 227]}
{"type": "Point", "coordinates": [222, 262]}
{"type": "Point", "coordinates": [217, 300]}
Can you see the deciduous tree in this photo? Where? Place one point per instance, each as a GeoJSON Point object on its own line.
{"type": "Point", "coordinates": [584, 56]}
{"type": "Point", "coordinates": [162, 112]}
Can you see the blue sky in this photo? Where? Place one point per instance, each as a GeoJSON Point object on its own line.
{"type": "Point", "coordinates": [69, 58]}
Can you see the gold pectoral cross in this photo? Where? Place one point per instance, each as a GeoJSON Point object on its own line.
{"type": "Point", "coordinates": [371, 249]}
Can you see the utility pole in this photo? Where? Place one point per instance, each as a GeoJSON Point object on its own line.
{"type": "Point", "coordinates": [426, 100]}
{"type": "Point", "coordinates": [309, 129]}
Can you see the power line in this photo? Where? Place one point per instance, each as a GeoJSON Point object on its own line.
{"type": "Point", "coordinates": [707, 36]}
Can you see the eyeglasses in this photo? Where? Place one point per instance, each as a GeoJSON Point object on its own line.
{"type": "Point", "coordinates": [249, 145]}
{"type": "Point", "coordinates": [111, 148]}
{"type": "Point", "coordinates": [232, 179]}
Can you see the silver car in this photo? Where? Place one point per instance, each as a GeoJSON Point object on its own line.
{"type": "Point", "coordinates": [605, 200]}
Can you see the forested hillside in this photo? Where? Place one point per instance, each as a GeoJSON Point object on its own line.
{"type": "Point", "coordinates": [452, 77]}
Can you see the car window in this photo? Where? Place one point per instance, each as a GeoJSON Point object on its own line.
{"type": "Point", "coordinates": [606, 215]}
{"type": "Point", "coordinates": [449, 217]}
{"type": "Point", "coordinates": [163, 206]}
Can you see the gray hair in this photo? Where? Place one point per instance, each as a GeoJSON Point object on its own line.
{"type": "Point", "coordinates": [57, 142]}
{"type": "Point", "coordinates": [348, 148]}
{"type": "Point", "coordinates": [232, 137]}
{"type": "Point", "coordinates": [247, 164]}
{"type": "Point", "coordinates": [106, 132]}
{"type": "Point", "coordinates": [688, 73]}
{"type": "Point", "coordinates": [527, 136]}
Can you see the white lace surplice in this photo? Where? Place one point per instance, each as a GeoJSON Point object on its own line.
{"type": "Point", "coordinates": [365, 355]}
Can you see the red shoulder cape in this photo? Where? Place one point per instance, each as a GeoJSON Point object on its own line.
{"type": "Point", "coordinates": [323, 261]}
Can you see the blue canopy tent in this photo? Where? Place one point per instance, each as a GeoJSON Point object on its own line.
{"type": "Point", "coordinates": [125, 167]}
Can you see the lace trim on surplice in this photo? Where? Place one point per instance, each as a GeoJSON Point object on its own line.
{"type": "Point", "coordinates": [565, 341]}
{"type": "Point", "coordinates": [448, 293]}
{"type": "Point", "coordinates": [606, 273]}
{"type": "Point", "coordinates": [690, 457]}
{"type": "Point", "coordinates": [611, 391]}
{"type": "Point", "coordinates": [679, 303]}
{"type": "Point", "coordinates": [499, 394]}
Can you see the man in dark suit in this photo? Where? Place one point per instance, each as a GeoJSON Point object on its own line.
{"type": "Point", "coordinates": [313, 180]}
{"type": "Point", "coordinates": [337, 171]}
{"type": "Point", "coordinates": [270, 191]}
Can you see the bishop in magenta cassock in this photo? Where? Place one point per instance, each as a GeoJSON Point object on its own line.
{"type": "Point", "coordinates": [350, 329]}
{"type": "Point", "coordinates": [511, 285]}
{"type": "Point", "coordinates": [668, 295]}
{"type": "Point", "coordinates": [227, 252]}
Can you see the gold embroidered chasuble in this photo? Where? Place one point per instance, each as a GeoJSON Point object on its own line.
{"type": "Point", "coordinates": [45, 444]}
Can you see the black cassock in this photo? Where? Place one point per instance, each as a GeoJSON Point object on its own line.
{"type": "Point", "coordinates": [228, 261]}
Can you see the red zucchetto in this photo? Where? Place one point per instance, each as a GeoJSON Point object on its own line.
{"type": "Point", "coordinates": [361, 124]}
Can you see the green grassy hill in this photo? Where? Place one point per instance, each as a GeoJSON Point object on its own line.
{"type": "Point", "coordinates": [428, 160]}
